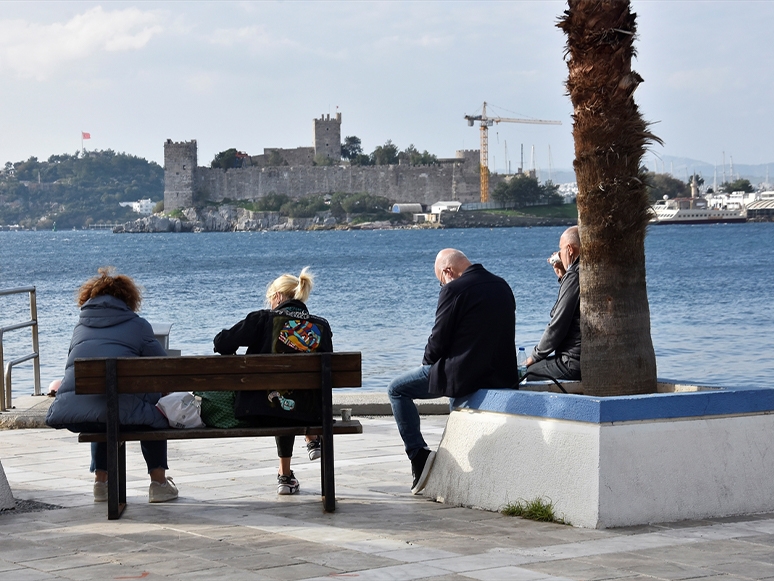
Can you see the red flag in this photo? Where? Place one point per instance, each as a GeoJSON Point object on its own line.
{"type": "Point", "coordinates": [85, 135]}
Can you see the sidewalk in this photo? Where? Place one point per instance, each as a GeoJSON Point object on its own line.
{"type": "Point", "coordinates": [29, 411]}
{"type": "Point", "coordinates": [230, 524]}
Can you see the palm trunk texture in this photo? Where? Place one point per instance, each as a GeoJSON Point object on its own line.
{"type": "Point", "coordinates": [613, 207]}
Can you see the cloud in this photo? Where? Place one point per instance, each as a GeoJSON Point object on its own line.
{"type": "Point", "coordinates": [35, 50]}
{"type": "Point", "coordinates": [253, 38]}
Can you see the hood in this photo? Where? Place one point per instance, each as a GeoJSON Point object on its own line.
{"type": "Point", "coordinates": [105, 311]}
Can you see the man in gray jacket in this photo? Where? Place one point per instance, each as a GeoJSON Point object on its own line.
{"type": "Point", "coordinates": [562, 336]}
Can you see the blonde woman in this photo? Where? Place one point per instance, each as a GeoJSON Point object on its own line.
{"type": "Point", "coordinates": [286, 326]}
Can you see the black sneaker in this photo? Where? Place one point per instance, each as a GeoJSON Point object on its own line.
{"type": "Point", "coordinates": [420, 469]}
{"type": "Point", "coordinates": [313, 447]}
{"type": "Point", "coordinates": [287, 484]}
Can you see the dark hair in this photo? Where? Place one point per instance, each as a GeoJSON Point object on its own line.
{"type": "Point", "coordinates": [106, 283]}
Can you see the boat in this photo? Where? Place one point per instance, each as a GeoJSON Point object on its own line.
{"type": "Point", "coordinates": [694, 211]}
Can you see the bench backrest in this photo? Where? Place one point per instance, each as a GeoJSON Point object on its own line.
{"type": "Point", "coordinates": [218, 372]}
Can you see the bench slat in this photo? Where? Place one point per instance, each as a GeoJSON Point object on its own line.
{"type": "Point", "coordinates": [220, 365]}
{"type": "Point", "coordinates": [350, 427]}
{"type": "Point", "coordinates": [213, 382]}
{"type": "Point", "coordinates": [217, 373]}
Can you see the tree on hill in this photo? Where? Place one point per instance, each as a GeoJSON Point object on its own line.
{"type": "Point", "coordinates": [361, 159]}
{"type": "Point", "coordinates": [271, 202]}
{"type": "Point", "coordinates": [522, 190]}
{"type": "Point", "coordinates": [699, 180]}
{"type": "Point", "coordinates": [352, 147]}
{"type": "Point", "coordinates": [412, 156]}
{"type": "Point", "coordinates": [386, 154]}
{"type": "Point", "coordinates": [228, 159]}
{"type": "Point", "coordinates": [740, 185]}
{"type": "Point", "coordinates": [661, 184]}
{"type": "Point", "coordinates": [76, 190]}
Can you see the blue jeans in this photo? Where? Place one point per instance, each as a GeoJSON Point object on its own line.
{"type": "Point", "coordinates": [154, 451]}
{"type": "Point", "coordinates": [403, 390]}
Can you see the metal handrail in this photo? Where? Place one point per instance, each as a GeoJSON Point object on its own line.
{"type": "Point", "coordinates": [5, 379]}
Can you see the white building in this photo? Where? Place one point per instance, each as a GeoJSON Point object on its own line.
{"type": "Point", "coordinates": [439, 207]}
{"type": "Point", "coordinates": [144, 206]}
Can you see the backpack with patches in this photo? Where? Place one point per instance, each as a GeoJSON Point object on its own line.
{"type": "Point", "coordinates": [291, 333]}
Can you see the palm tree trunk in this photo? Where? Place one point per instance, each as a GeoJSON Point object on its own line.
{"type": "Point", "coordinates": [613, 207]}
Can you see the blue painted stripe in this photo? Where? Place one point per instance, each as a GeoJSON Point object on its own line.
{"type": "Point", "coordinates": [600, 410]}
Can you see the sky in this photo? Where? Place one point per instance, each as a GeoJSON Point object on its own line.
{"type": "Point", "coordinates": [252, 75]}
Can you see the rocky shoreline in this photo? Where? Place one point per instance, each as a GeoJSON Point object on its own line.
{"type": "Point", "coordinates": [233, 219]}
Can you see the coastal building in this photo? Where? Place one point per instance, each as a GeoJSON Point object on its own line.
{"type": "Point", "coordinates": [144, 206]}
{"type": "Point", "coordinates": [762, 210]}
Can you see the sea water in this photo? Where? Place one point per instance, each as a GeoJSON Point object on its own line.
{"type": "Point", "coordinates": [709, 287]}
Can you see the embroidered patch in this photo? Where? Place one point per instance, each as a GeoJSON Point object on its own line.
{"type": "Point", "coordinates": [301, 336]}
{"type": "Point", "coordinates": [286, 403]}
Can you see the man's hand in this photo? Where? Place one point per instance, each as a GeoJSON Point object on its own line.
{"type": "Point", "coordinates": [530, 361]}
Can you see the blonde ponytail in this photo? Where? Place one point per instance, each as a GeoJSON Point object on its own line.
{"type": "Point", "coordinates": [292, 287]}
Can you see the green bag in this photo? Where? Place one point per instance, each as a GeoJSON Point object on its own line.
{"type": "Point", "coordinates": [218, 409]}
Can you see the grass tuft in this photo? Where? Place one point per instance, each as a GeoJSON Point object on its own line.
{"type": "Point", "coordinates": [537, 509]}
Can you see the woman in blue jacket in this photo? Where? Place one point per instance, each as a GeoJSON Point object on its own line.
{"type": "Point", "coordinates": [110, 327]}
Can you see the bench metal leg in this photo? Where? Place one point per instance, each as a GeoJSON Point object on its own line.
{"type": "Point", "coordinates": [326, 462]}
{"type": "Point", "coordinates": [116, 450]}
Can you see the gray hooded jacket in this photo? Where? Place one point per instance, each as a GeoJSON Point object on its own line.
{"type": "Point", "coordinates": [107, 328]}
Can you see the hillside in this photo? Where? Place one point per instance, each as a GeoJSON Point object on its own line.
{"type": "Point", "coordinates": [74, 191]}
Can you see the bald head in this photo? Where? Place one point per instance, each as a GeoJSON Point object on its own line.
{"type": "Point", "coordinates": [450, 264]}
{"type": "Point", "coordinates": [569, 246]}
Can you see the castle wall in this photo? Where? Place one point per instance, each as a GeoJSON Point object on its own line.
{"type": "Point", "coordinates": [399, 183]}
{"type": "Point", "coordinates": [454, 179]}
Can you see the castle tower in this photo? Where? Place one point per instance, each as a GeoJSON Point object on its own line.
{"type": "Point", "coordinates": [327, 137]}
{"type": "Point", "coordinates": [179, 174]}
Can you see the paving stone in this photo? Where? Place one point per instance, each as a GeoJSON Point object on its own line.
{"type": "Point", "coordinates": [750, 569]}
{"type": "Point", "coordinates": [27, 575]}
{"type": "Point", "coordinates": [581, 571]}
{"type": "Point", "coordinates": [348, 561]}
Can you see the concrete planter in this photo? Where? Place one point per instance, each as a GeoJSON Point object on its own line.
{"type": "Point", "coordinates": [684, 453]}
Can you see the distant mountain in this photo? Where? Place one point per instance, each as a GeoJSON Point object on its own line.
{"type": "Point", "coordinates": [683, 167]}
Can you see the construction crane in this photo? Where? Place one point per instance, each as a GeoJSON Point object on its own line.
{"type": "Point", "coordinates": [486, 123]}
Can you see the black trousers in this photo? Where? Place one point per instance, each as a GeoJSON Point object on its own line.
{"type": "Point", "coordinates": [554, 368]}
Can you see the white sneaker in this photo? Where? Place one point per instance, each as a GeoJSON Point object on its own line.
{"type": "Point", "coordinates": [158, 492]}
{"type": "Point", "coordinates": [287, 484]}
{"type": "Point", "coordinates": [314, 449]}
{"type": "Point", "coordinates": [100, 492]}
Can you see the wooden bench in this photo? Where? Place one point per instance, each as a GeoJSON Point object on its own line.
{"type": "Point", "coordinates": [320, 371]}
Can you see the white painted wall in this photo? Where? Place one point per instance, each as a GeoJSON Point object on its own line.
{"type": "Point", "coordinates": [603, 476]}
{"type": "Point", "coordinates": [487, 460]}
{"type": "Point", "coordinates": [688, 469]}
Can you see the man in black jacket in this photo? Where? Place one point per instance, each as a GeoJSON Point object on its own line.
{"type": "Point", "coordinates": [471, 347]}
{"type": "Point", "coordinates": [562, 336]}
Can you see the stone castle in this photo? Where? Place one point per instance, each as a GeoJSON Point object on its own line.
{"type": "Point", "coordinates": [306, 171]}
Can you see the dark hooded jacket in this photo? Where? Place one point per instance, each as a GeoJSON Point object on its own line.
{"type": "Point", "coordinates": [264, 331]}
{"type": "Point", "coordinates": [107, 328]}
